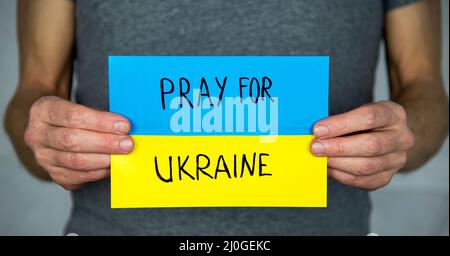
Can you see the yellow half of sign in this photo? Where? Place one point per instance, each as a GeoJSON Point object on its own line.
{"type": "Point", "coordinates": [219, 171]}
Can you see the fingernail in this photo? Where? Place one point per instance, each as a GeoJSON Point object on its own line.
{"type": "Point", "coordinates": [121, 126]}
{"type": "Point", "coordinates": [320, 130]}
{"type": "Point", "coordinates": [317, 148]}
{"type": "Point", "coordinates": [126, 144]}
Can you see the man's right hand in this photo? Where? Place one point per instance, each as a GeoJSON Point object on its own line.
{"type": "Point", "coordinates": [72, 142]}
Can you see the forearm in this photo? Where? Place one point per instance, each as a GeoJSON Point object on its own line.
{"type": "Point", "coordinates": [16, 121]}
{"type": "Point", "coordinates": [427, 113]}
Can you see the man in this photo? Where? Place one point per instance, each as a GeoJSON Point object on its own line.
{"type": "Point", "coordinates": [367, 143]}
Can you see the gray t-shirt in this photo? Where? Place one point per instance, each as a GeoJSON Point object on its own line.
{"type": "Point", "coordinates": [349, 31]}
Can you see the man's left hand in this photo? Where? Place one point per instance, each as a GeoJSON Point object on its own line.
{"type": "Point", "coordinates": [365, 147]}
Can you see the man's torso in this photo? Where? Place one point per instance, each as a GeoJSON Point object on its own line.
{"type": "Point", "coordinates": [348, 31]}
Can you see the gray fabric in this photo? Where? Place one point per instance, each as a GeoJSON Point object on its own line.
{"type": "Point", "coordinates": [348, 31]}
{"type": "Point", "coordinates": [392, 4]}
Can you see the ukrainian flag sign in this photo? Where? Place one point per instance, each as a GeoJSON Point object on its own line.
{"type": "Point", "coordinates": [219, 131]}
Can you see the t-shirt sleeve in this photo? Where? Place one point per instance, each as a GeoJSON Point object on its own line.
{"type": "Point", "coordinates": [392, 4]}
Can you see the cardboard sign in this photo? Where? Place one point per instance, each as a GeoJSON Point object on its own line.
{"type": "Point", "coordinates": [219, 131]}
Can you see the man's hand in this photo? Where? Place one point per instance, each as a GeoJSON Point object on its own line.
{"type": "Point", "coordinates": [366, 146]}
{"type": "Point", "coordinates": [73, 142]}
